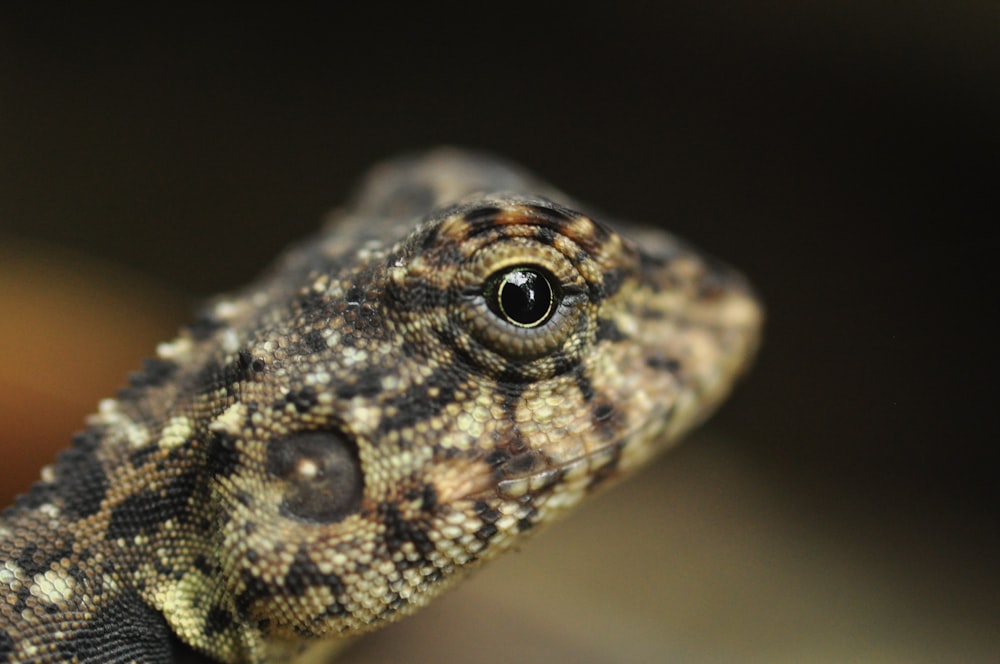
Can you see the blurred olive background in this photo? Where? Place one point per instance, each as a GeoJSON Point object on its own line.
{"type": "Point", "coordinates": [844, 155]}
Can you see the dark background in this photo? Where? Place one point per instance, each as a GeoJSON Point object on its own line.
{"type": "Point", "coordinates": [843, 155]}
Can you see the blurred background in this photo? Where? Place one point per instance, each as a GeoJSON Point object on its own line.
{"type": "Point", "coordinates": [841, 507]}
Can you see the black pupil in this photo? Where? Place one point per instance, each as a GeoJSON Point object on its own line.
{"type": "Point", "coordinates": [524, 296]}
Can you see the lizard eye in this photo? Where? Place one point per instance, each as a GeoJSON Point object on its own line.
{"type": "Point", "coordinates": [322, 474]}
{"type": "Point", "coordinates": [525, 296]}
{"type": "Point", "coordinates": [523, 311]}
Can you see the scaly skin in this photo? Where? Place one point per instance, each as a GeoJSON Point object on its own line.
{"type": "Point", "coordinates": [332, 447]}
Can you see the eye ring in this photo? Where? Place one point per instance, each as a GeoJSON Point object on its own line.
{"type": "Point", "coordinates": [520, 335]}
{"type": "Point", "coordinates": [525, 296]}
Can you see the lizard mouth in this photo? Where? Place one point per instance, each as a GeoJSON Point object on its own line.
{"type": "Point", "coordinates": [582, 470]}
{"type": "Point", "coordinates": [533, 472]}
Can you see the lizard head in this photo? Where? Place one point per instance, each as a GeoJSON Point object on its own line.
{"type": "Point", "coordinates": [398, 409]}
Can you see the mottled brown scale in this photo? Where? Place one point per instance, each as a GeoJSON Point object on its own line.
{"type": "Point", "coordinates": [460, 356]}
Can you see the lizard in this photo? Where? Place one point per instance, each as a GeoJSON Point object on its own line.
{"type": "Point", "coordinates": [461, 355]}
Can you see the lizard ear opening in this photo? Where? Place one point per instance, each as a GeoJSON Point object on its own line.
{"type": "Point", "coordinates": [322, 475]}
